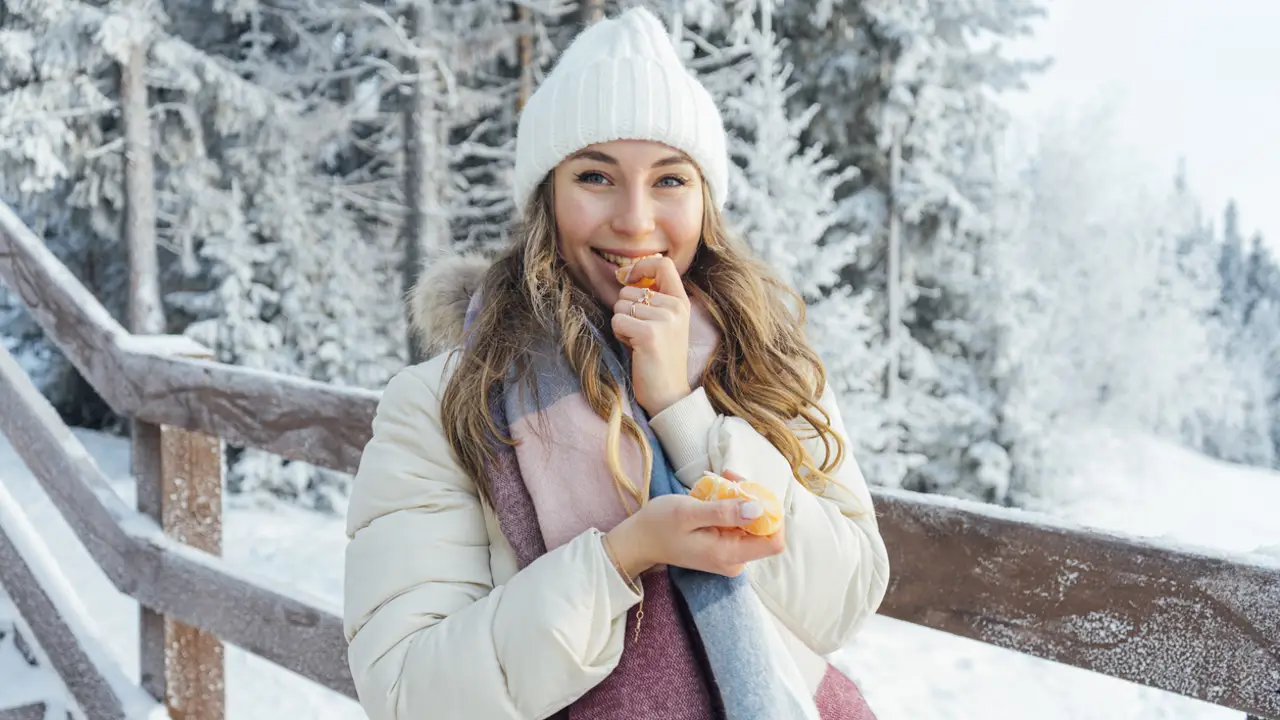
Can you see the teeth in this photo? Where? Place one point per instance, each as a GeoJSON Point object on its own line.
{"type": "Point", "coordinates": [622, 261]}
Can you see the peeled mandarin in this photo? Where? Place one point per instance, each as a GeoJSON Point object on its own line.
{"type": "Point", "coordinates": [642, 282]}
{"type": "Point", "coordinates": [714, 487]}
{"type": "Point", "coordinates": [770, 521]}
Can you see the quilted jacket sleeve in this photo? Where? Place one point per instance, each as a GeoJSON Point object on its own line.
{"type": "Point", "coordinates": [835, 570]}
{"type": "Point", "coordinates": [429, 635]}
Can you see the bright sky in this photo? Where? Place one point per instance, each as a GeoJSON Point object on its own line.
{"type": "Point", "coordinates": [1197, 78]}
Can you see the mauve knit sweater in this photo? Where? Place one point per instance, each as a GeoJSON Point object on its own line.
{"type": "Point", "coordinates": [662, 674]}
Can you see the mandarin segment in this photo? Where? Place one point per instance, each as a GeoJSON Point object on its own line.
{"type": "Point", "coordinates": [770, 521]}
{"type": "Point", "coordinates": [642, 282]}
{"type": "Point", "coordinates": [714, 487]}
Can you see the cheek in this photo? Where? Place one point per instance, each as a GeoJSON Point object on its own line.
{"type": "Point", "coordinates": [683, 228]}
{"type": "Point", "coordinates": [575, 220]}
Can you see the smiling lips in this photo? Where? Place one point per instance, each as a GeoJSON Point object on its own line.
{"type": "Point", "coordinates": [623, 260]}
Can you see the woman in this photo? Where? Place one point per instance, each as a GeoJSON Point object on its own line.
{"type": "Point", "coordinates": [565, 571]}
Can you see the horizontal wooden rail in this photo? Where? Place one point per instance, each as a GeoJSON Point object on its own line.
{"type": "Point", "coordinates": [1189, 622]}
{"type": "Point", "coordinates": [296, 418]}
{"type": "Point", "coordinates": [199, 589]}
{"type": "Point", "coordinates": [61, 626]}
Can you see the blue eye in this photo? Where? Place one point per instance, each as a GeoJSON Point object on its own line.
{"type": "Point", "coordinates": [590, 177]}
{"type": "Point", "coordinates": [679, 181]}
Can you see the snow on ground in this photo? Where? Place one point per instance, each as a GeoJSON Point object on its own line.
{"type": "Point", "coordinates": [1128, 483]}
{"type": "Point", "coordinates": [20, 682]}
{"type": "Point", "coordinates": [303, 548]}
{"type": "Point", "coordinates": [1140, 485]}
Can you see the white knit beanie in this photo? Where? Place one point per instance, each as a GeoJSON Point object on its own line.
{"type": "Point", "coordinates": [620, 79]}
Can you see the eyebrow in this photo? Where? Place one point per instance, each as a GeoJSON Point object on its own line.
{"type": "Point", "coordinates": [610, 160]}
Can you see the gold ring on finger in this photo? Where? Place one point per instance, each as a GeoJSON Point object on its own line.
{"type": "Point", "coordinates": [648, 293]}
{"type": "Point", "coordinates": [633, 307]}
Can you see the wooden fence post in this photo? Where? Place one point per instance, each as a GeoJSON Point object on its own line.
{"type": "Point", "coordinates": [179, 476]}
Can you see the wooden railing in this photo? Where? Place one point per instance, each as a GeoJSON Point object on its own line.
{"type": "Point", "coordinates": [58, 621]}
{"type": "Point", "coordinates": [1193, 622]}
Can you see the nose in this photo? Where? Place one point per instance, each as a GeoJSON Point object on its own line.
{"type": "Point", "coordinates": [634, 215]}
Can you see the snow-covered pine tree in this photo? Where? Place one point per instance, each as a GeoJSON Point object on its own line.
{"type": "Point", "coordinates": [1113, 321]}
{"type": "Point", "coordinates": [1228, 418]}
{"type": "Point", "coordinates": [1261, 334]}
{"type": "Point", "coordinates": [1232, 265]}
{"type": "Point", "coordinates": [859, 63]}
{"type": "Point", "coordinates": [249, 212]}
{"type": "Point", "coordinates": [321, 181]}
{"type": "Point", "coordinates": [61, 170]}
{"type": "Point", "coordinates": [1249, 347]}
{"type": "Point", "coordinates": [296, 258]}
{"type": "Point", "coordinates": [924, 75]}
{"type": "Point", "coordinates": [1070, 248]}
{"type": "Point", "coordinates": [1262, 276]}
{"type": "Point", "coordinates": [499, 50]}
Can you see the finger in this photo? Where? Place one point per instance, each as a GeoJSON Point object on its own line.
{"type": "Point", "coordinates": [630, 331]}
{"type": "Point", "coordinates": [661, 269]}
{"type": "Point", "coordinates": [641, 311]}
{"type": "Point", "coordinates": [756, 547]}
{"type": "Point", "coordinates": [631, 293]}
{"type": "Point", "coordinates": [722, 513]}
{"type": "Point", "coordinates": [731, 475]}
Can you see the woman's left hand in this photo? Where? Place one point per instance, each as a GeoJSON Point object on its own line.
{"type": "Point", "coordinates": [657, 331]}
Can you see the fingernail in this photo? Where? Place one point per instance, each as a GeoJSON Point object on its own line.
{"type": "Point", "coordinates": [751, 509]}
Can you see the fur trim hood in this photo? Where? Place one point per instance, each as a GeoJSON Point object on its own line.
{"type": "Point", "coordinates": [439, 299]}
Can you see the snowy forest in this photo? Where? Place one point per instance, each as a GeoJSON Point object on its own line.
{"type": "Point", "coordinates": [975, 298]}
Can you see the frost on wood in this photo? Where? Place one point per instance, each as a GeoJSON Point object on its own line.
{"type": "Point", "coordinates": [300, 633]}
{"type": "Point", "coordinates": [1187, 621]}
{"type": "Point", "coordinates": [179, 478]}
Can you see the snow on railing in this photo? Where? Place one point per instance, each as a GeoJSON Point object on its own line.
{"type": "Point", "coordinates": [269, 620]}
{"type": "Point", "coordinates": [1191, 622]}
{"type": "Point", "coordinates": [61, 625]}
{"type": "Point", "coordinates": [293, 417]}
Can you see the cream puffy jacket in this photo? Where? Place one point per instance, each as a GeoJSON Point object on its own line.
{"type": "Point", "coordinates": [440, 623]}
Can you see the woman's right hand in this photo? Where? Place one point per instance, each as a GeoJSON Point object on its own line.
{"type": "Point", "coordinates": [695, 534]}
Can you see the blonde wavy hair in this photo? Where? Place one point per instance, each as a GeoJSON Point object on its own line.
{"type": "Point", "coordinates": [763, 370]}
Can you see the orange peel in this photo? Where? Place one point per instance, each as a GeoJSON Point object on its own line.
{"type": "Point", "coordinates": [711, 487]}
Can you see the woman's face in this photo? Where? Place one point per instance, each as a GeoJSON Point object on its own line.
{"type": "Point", "coordinates": [617, 202]}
